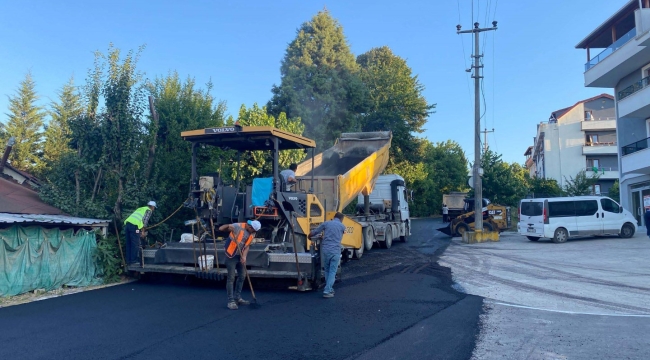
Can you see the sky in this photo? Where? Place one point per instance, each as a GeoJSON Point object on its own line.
{"type": "Point", "coordinates": [531, 65]}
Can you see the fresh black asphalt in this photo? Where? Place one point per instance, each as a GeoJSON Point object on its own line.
{"type": "Point", "coordinates": [392, 304]}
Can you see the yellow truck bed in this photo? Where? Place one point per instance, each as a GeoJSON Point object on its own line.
{"type": "Point", "coordinates": [347, 169]}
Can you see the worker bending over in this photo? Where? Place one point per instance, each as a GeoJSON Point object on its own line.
{"type": "Point", "coordinates": [236, 248]}
{"type": "Point", "coordinates": [134, 229]}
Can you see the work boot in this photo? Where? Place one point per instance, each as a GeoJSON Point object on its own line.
{"type": "Point", "coordinates": [241, 301]}
{"type": "Point", "coordinates": [233, 305]}
{"type": "Point", "coordinates": [328, 295]}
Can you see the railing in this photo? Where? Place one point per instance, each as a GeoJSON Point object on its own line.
{"type": "Point", "coordinates": [633, 88]}
{"type": "Point", "coordinates": [610, 49]}
{"type": "Point", "coordinates": [600, 119]}
{"type": "Point", "coordinates": [599, 169]}
{"type": "Point", "coordinates": [634, 147]}
{"type": "Point", "coordinates": [600, 143]}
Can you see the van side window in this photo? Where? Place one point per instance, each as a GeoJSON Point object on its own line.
{"type": "Point", "coordinates": [609, 205]}
{"type": "Point", "coordinates": [561, 209]}
{"type": "Point", "coordinates": [586, 207]}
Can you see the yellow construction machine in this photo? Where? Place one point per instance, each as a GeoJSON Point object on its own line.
{"type": "Point", "coordinates": [327, 182]}
{"type": "Point", "coordinates": [495, 218]}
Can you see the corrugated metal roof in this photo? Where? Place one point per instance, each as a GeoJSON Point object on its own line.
{"type": "Point", "coordinates": [6, 218]}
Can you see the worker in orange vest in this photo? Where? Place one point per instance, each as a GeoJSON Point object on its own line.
{"type": "Point", "coordinates": [236, 248]}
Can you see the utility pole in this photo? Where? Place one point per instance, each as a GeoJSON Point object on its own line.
{"type": "Point", "coordinates": [477, 170]}
{"type": "Point", "coordinates": [485, 142]}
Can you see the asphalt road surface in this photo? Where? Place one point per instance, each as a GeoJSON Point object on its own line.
{"type": "Point", "coordinates": [392, 304]}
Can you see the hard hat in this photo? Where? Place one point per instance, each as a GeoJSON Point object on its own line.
{"type": "Point", "coordinates": [255, 224]}
{"type": "Point", "coordinates": [151, 203]}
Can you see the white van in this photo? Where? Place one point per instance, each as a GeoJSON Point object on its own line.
{"type": "Point", "coordinates": [564, 217]}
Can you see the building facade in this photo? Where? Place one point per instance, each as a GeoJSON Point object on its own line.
{"type": "Point", "coordinates": [580, 137]}
{"type": "Point", "coordinates": [622, 62]}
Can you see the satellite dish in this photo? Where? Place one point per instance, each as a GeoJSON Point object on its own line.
{"type": "Point", "coordinates": [471, 182]}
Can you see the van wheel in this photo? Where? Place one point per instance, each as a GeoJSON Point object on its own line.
{"type": "Point", "coordinates": [461, 228]}
{"type": "Point", "coordinates": [560, 236]}
{"type": "Point", "coordinates": [627, 231]}
{"type": "Point", "coordinates": [532, 238]}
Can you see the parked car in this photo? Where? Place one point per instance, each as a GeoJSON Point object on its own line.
{"type": "Point", "coordinates": [564, 217]}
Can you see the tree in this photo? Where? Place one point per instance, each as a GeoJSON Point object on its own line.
{"type": "Point", "coordinates": [181, 105]}
{"type": "Point", "coordinates": [615, 191]}
{"type": "Point", "coordinates": [258, 163]}
{"type": "Point", "coordinates": [25, 125]}
{"type": "Point", "coordinates": [540, 187]}
{"type": "Point", "coordinates": [395, 100]}
{"type": "Point", "coordinates": [57, 132]}
{"type": "Point", "coordinates": [503, 183]}
{"type": "Point", "coordinates": [581, 184]}
{"type": "Point", "coordinates": [319, 82]}
{"type": "Point", "coordinates": [446, 168]}
{"type": "Point", "coordinates": [105, 169]}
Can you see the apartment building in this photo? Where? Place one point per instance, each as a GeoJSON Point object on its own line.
{"type": "Point", "coordinates": [576, 138]}
{"type": "Point", "coordinates": [618, 57]}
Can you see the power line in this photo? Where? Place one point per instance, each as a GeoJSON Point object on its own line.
{"type": "Point", "coordinates": [469, 91]}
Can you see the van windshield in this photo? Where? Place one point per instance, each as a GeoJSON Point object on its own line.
{"type": "Point", "coordinates": [532, 208]}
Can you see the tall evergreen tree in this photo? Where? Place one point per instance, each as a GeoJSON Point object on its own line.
{"type": "Point", "coordinates": [57, 132]}
{"type": "Point", "coordinates": [320, 82]}
{"type": "Point", "coordinates": [181, 105]}
{"type": "Point", "coordinates": [25, 124]}
{"type": "Point", "coordinates": [396, 102]}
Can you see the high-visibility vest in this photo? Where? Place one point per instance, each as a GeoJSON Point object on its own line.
{"type": "Point", "coordinates": [235, 239]}
{"type": "Point", "coordinates": [137, 216]}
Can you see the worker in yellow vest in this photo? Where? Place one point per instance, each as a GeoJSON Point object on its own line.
{"type": "Point", "coordinates": [134, 229]}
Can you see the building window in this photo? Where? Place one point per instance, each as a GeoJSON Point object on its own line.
{"type": "Point", "coordinates": [588, 116]}
{"type": "Point", "coordinates": [593, 163]}
{"type": "Point", "coordinates": [597, 189]}
{"type": "Point", "coordinates": [592, 139]}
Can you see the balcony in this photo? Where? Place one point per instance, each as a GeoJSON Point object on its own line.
{"type": "Point", "coordinates": [636, 157]}
{"type": "Point", "coordinates": [634, 147]}
{"type": "Point", "coordinates": [600, 124]}
{"type": "Point", "coordinates": [625, 55]}
{"type": "Point", "coordinates": [610, 49]}
{"type": "Point", "coordinates": [600, 149]}
{"type": "Point", "coordinates": [530, 163]}
{"type": "Point", "coordinates": [634, 101]}
{"type": "Point", "coordinates": [605, 173]}
{"type": "Point", "coordinates": [639, 85]}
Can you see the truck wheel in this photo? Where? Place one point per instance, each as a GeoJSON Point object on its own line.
{"type": "Point", "coordinates": [388, 235]}
{"type": "Point", "coordinates": [406, 233]}
{"type": "Point", "coordinates": [358, 253]}
{"type": "Point", "coordinates": [461, 228]}
{"type": "Point", "coordinates": [368, 238]}
{"type": "Point", "coordinates": [627, 231]}
{"type": "Point", "coordinates": [561, 235]}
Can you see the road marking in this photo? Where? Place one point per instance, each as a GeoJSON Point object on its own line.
{"type": "Point", "coordinates": [489, 301]}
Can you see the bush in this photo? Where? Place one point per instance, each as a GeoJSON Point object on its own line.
{"type": "Point", "coordinates": [108, 259]}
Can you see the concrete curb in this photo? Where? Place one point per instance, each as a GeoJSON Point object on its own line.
{"type": "Point", "coordinates": [65, 293]}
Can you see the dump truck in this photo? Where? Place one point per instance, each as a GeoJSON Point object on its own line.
{"type": "Point", "coordinates": [327, 183]}
{"type": "Point", "coordinates": [348, 171]}
{"type": "Point", "coordinates": [455, 201]}
{"type": "Point", "coordinates": [495, 218]}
